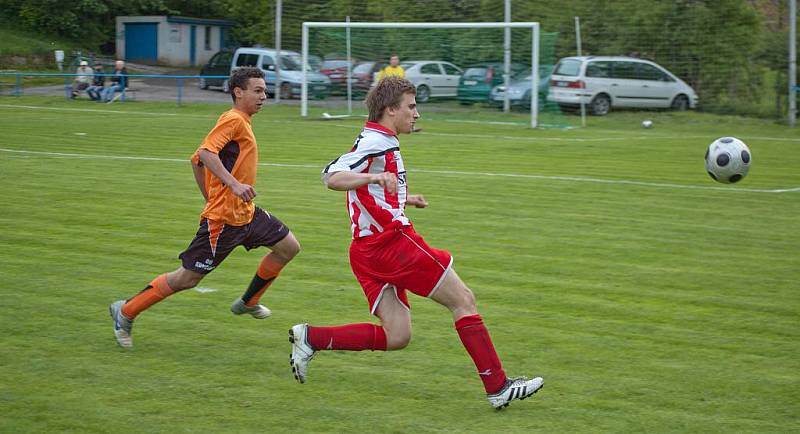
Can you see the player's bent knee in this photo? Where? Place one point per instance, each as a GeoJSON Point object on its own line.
{"type": "Point", "coordinates": [397, 341]}
{"type": "Point", "coordinates": [288, 248]}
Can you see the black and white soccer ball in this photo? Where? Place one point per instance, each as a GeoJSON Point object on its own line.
{"type": "Point", "coordinates": [727, 160]}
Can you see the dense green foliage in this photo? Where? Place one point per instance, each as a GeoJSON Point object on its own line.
{"type": "Point", "coordinates": [650, 298]}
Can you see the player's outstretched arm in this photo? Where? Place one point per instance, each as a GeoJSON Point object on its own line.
{"type": "Point", "coordinates": [212, 162]}
{"type": "Point", "coordinates": [344, 181]}
{"type": "Point", "coordinates": [200, 177]}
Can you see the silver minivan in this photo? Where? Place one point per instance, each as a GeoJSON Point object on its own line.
{"type": "Point", "coordinates": [319, 85]}
{"type": "Point", "coordinates": [603, 82]}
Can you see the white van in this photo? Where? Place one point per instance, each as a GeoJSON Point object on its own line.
{"type": "Point", "coordinates": [319, 86]}
{"type": "Point", "coordinates": [603, 82]}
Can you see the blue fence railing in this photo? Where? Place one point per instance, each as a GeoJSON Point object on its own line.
{"type": "Point", "coordinates": [179, 80]}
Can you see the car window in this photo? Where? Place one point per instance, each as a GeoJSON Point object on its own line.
{"type": "Point", "coordinates": [626, 70]}
{"type": "Point", "coordinates": [407, 65]}
{"type": "Point", "coordinates": [333, 64]}
{"type": "Point", "coordinates": [214, 60]}
{"type": "Point", "coordinates": [475, 73]}
{"type": "Point", "coordinates": [247, 60]}
{"type": "Point", "coordinates": [267, 60]}
{"type": "Point", "coordinates": [430, 68]}
{"type": "Point", "coordinates": [224, 59]}
{"type": "Point", "coordinates": [291, 62]}
{"type": "Point", "coordinates": [363, 68]}
{"type": "Point", "coordinates": [568, 67]}
{"type": "Point", "coordinates": [649, 72]}
{"type": "Point", "coordinates": [450, 69]}
{"type": "Point", "coordinates": [598, 69]}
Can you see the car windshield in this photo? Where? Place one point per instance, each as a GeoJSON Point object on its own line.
{"type": "Point", "coordinates": [544, 71]}
{"type": "Point", "coordinates": [475, 72]}
{"type": "Point", "coordinates": [334, 64]}
{"type": "Point", "coordinates": [407, 65]}
{"type": "Point", "coordinates": [290, 63]}
{"type": "Point", "coordinates": [568, 67]}
{"type": "Point", "coordinates": [363, 68]}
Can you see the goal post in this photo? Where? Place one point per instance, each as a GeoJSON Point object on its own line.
{"type": "Point", "coordinates": [534, 26]}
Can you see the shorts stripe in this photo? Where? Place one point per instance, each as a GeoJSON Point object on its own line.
{"type": "Point", "coordinates": [441, 279]}
{"type": "Point", "coordinates": [214, 231]}
{"type": "Point", "coordinates": [426, 252]}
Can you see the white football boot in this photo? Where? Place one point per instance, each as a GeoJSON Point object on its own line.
{"type": "Point", "coordinates": [302, 352]}
{"type": "Point", "coordinates": [258, 311]}
{"type": "Point", "coordinates": [122, 325]}
{"type": "Point", "coordinates": [515, 388]}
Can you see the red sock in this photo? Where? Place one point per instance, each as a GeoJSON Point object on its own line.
{"type": "Point", "coordinates": [350, 337]}
{"type": "Point", "coordinates": [476, 340]}
{"type": "Point", "coordinates": [156, 291]}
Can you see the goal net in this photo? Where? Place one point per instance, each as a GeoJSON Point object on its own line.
{"type": "Point", "coordinates": [462, 71]}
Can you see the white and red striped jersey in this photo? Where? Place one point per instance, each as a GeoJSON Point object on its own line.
{"type": "Point", "coordinates": [371, 207]}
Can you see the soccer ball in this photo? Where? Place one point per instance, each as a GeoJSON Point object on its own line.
{"type": "Point", "coordinates": [647, 123]}
{"type": "Point", "coordinates": [727, 160]}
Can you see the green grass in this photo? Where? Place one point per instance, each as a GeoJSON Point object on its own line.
{"type": "Point", "coordinates": [668, 305]}
{"type": "Point", "coordinates": [18, 42]}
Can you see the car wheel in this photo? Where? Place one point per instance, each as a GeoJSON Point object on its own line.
{"type": "Point", "coordinates": [203, 85]}
{"type": "Point", "coordinates": [423, 93]}
{"type": "Point", "coordinates": [286, 91]}
{"type": "Point", "coordinates": [225, 86]}
{"type": "Point", "coordinates": [600, 105]}
{"type": "Point", "coordinates": [680, 103]}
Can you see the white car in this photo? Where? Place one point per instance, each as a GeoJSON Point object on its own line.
{"type": "Point", "coordinates": [603, 82]}
{"type": "Point", "coordinates": [432, 78]}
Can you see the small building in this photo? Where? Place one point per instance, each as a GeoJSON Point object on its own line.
{"type": "Point", "coordinates": [170, 40]}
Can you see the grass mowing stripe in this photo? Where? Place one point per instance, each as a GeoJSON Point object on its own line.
{"type": "Point", "coordinates": [442, 172]}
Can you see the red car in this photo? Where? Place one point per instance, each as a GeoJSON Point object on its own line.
{"type": "Point", "coordinates": [336, 70]}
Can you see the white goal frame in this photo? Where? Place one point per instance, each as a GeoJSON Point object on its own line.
{"type": "Point", "coordinates": [534, 26]}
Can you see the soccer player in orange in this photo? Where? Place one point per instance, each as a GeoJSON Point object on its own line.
{"type": "Point", "coordinates": [224, 167]}
{"type": "Point", "coordinates": [389, 258]}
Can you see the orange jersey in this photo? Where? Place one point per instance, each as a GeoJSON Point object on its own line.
{"type": "Point", "coordinates": [233, 141]}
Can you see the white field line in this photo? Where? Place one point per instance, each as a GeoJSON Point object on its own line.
{"type": "Point", "coordinates": [477, 136]}
{"type": "Point", "coordinates": [440, 172]}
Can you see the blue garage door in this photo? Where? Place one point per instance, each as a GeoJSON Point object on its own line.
{"type": "Point", "coordinates": [141, 41]}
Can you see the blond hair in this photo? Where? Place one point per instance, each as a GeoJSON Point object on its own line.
{"type": "Point", "coordinates": [388, 93]}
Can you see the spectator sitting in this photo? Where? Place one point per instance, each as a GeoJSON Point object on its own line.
{"type": "Point", "coordinates": [119, 81]}
{"type": "Point", "coordinates": [392, 69]}
{"type": "Point", "coordinates": [83, 79]}
{"type": "Point", "coordinates": [98, 83]}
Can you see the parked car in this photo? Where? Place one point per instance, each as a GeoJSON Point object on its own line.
{"type": "Point", "coordinates": [319, 85]}
{"type": "Point", "coordinates": [478, 80]}
{"type": "Point", "coordinates": [432, 78]}
{"type": "Point", "coordinates": [219, 65]}
{"type": "Point", "coordinates": [519, 90]}
{"type": "Point", "coordinates": [363, 75]}
{"type": "Point", "coordinates": [336, 70]}
{"type": "Point", "coordinates": [603, 82]}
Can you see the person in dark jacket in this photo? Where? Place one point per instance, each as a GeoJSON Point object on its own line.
{"type": "Point", "coordinates": [98, 83]}
{"type": "Point", "coordinates": [119, 81]}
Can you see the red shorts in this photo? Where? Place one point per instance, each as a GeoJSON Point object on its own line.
{"type": "Point", "coordinates": [397, 259]}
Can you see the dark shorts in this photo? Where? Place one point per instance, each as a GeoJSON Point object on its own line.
{"type": "Point", "coordinates": [215, 241]}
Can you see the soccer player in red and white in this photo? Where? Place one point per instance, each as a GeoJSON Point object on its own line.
{"type": "Point", "coordinates": [389, 258]}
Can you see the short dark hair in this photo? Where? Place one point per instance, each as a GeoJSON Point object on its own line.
{"type": "Point", "coordinates": [388, 93]}
{"type": "Point", "coordinates": [240, 77]}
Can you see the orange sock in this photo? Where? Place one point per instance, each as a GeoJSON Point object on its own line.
{"type": "Point", "coordinates": [268, 271]}
{"type": "Point", "coordinates": [156, 291]}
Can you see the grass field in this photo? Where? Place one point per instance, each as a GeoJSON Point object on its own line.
{"type": "Point", "coordinates": [604, 259]}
